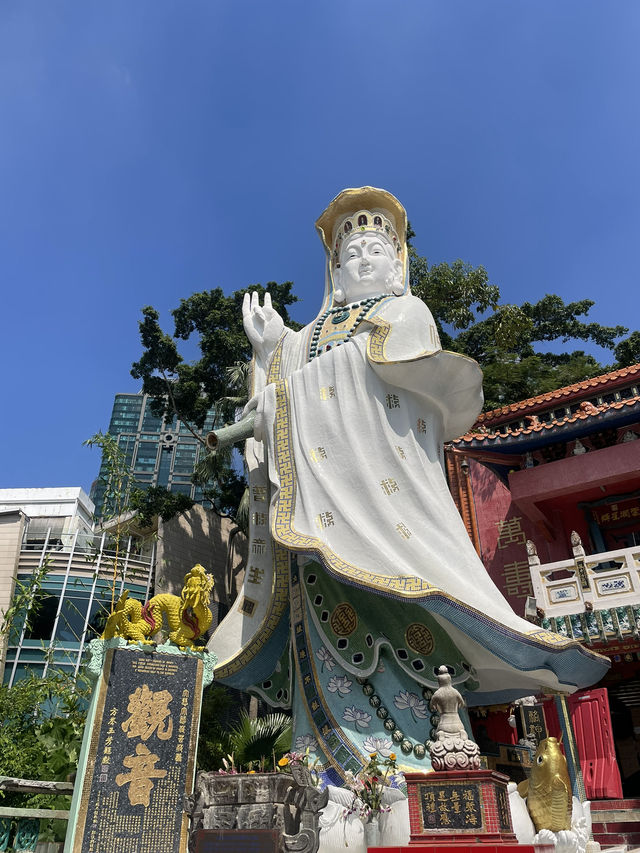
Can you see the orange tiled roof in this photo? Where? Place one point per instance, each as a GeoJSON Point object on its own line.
{"type": "Point", "coordinates": [567, 394]}
{"type": "Point", "coordinates": [537, 426]}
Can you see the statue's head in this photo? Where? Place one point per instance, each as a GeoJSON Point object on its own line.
{"type": "Point", "coordinates": [367, 266]}
{"type": "Point", "coordinates": [364, 232]}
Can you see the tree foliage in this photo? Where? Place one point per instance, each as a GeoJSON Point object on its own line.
{"type": "Point", "coordinates": [511, 342]}
{"type": "Point", "coordinates": [40, 738]}
{"type": "Point", "coordinates": [35, 745]}
{"type": "Point", "coordinates": [213, 736]}
{"type": "Point", "coordinates": [190, 389]}
{"type": "Point", "coordinates": [627, 352]}
{"type": "Point", "coordinates": [258, 742]}
{"type": "Point", "coordinates": [216, 380]}
{"type": "Point", "coordinates": [158, 500]}
{"type": "Point", "coordinates": [114, 476]}
{"type": "Point", "coordinates": [236, 739]}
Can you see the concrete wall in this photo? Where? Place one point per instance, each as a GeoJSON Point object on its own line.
{"type": "Point", "coordinates": [65, 501]}
{"type": "Point", "coordinates": [11, 530]}
{"type": "Point", "coordinates": [201, 536]}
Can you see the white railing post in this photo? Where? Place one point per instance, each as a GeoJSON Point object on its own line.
{"type": "Point", "coordinates": [59, 610]}
{"type": "Point", "coordinates": [96, 573]}
{"type": "Point", "coordinates": [534, 571]}
{"type": "Point", "coordinates": [582, 573]}
{"type": "Point", "coordinates": [32, 592]}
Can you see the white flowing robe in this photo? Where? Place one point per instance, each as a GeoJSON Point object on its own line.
{"type": "Point", "coordinates": [349, 458]}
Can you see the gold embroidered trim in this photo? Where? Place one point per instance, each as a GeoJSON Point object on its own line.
{"type": "Point", "coordinates": [279, 598]}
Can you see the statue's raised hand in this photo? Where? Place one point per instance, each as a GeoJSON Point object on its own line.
{"type": "Point", "coordinates": [262, 324]}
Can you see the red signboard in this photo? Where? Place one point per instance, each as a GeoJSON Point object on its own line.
{"type": "Point", "coordinates": [618, 512]}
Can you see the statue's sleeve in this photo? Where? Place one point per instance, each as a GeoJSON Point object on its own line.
{"type": "Point", "coordinates": [404, 350]}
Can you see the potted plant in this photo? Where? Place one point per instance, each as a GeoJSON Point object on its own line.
{"type": "Point", "coordinates": [257, 790]}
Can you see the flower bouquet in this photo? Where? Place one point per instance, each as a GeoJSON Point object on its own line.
{"type": "Point", "coordinates": [368, 786]}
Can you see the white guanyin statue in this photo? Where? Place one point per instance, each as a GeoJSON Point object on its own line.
{"type": "Point", "coordinates": [361, 579]}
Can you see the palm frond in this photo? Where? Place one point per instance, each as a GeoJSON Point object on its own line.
{"type": "Point", "coordinates": [255, 741]}
{"type": "Point", "coordinates": [238, 376]}
{"type": "Point", "coordinates": [212, 465]}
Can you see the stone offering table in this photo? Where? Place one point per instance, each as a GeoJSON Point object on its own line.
{"type": "Point", "coordinates": [228, 803]}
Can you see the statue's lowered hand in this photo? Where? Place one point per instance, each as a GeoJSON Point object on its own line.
{"type": "Point", "coordinates": [262, 324]}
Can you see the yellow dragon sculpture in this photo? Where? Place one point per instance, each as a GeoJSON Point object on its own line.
{"type": "Point", "coordinates": [188, 615]}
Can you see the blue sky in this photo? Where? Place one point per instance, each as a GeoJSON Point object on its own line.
{"type": "Point", "coordinates": [152, 149]}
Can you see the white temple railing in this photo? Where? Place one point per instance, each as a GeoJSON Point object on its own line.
{"type": "Point", "coordinates": [585, 583]}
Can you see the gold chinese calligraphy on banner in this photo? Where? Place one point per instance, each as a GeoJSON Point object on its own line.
{"type": "Point", "coordinates": [142, 754]}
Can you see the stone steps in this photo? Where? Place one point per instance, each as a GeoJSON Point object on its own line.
{"type": "Point", "coordinates": [616, 822]}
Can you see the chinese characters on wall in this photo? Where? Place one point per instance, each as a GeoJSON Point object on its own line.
{"type": "Point", "coordinates": [510, 553]}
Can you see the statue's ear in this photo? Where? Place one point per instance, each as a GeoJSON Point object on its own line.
{"type": "Point", "coordinates": [398, 285]}
{"type": "Point", "coordinates": [338, 293]}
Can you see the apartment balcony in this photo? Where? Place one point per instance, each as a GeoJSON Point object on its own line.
{"type": "Point", "coordinates": [84, 555]}
{"type": "Point", "coordinates": [70, 582]}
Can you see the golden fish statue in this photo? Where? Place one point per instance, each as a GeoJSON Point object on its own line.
{"type": "Point", "coordinates": [548, 789]}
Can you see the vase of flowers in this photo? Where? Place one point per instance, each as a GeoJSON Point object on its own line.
{"type": "Point", "coordinates": [368, 787]}
{"type": "Point", "coordinates": [372, 830]}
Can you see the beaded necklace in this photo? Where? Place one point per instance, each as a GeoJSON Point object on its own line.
{"type": "Point", "coordinates": [339, 315]}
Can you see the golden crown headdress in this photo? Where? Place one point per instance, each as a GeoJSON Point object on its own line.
{"type": "Point", "coordinates": [375, 210]}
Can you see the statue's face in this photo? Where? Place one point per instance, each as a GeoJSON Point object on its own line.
{"type": "Point", "coordinates": [368, 266]}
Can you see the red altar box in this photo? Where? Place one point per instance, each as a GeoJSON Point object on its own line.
{"type": "Point", "coordinates": [463, 807]}
{"type": "Point", "coordinates": [466, 847]}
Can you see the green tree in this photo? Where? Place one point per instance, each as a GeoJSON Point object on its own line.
{"type": "Point", "coordinates": [157, 500]}
{"type": "Point", "coordinates": [221, 474]}
{"type": "Point", "coordinates": [114, 476]}
{"type": "Point", "coordinates": [248, 743]}
{"type": "Point", "coordinates": [190, 389]}
{"type": "Point", "coordinates": [42, 725]}
{"type": "Point", "coordinates": [257, 743]}
{"type": "Point", "coordinates": [216, 380]}
{"type": "Point", "coordinates": [505, 339]}
{"type": "Point", "coordinates": [40, 738]}
{"type": "Point", "coordinates": [627, 352]}
{"type": "Point", "coordinates": [213, 736]}
{"type": "Point", "coordinates": [121, 497]}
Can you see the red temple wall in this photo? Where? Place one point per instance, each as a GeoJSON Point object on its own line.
{"type": "Point", "coordinates": [541, 504]}
{"type": "Point", "coordinates": [503, 530]}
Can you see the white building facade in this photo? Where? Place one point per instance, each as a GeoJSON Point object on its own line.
{"type": "Point", "coordinates": [65, 573]}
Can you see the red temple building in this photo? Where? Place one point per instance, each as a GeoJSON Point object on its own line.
{"type": "Point", "coordinates": [549, 489]}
